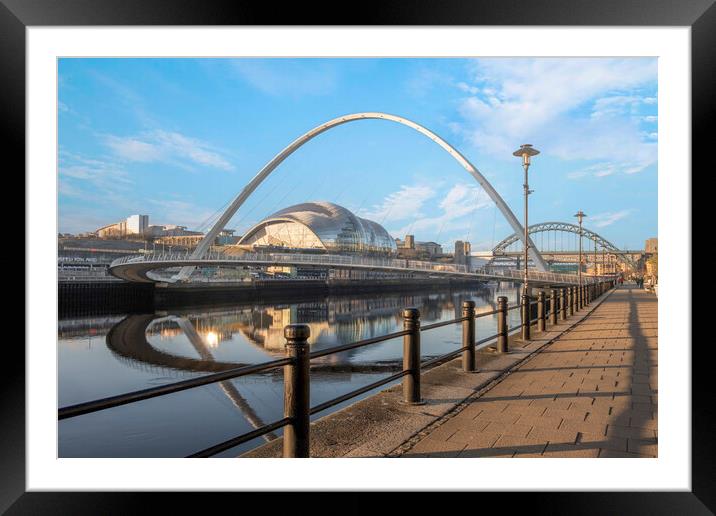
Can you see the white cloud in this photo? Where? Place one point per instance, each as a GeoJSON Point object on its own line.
{"type": "Point", "coordinates": [91, 192]}
{"type": "Point", "coordinates": [166, 146]}
{"type": "Point", "coordinates": [581, 108]}
{"type": "Point", "coordinates": [280, 77]}
{"type": "Point", "coordinates": [608, 218]}
{"type": "Point", "coordinates": [615, 105]}
{"type": "Point", "coordinates": [404, 204]}
{"type": "Point", "coordinates": [68, 189]}
{"type": "Point", "coordinates": [77, 172]}
{"type": "Point", "coordinates": [133, 149]}
{"type": "Point", "coordinates": [78, 220]}
{"type": "Point", "coordinates": [458, 203]}
{"type": "Point", "coordinates": [608, 169]}
{"type": "Point", "coordinates": [125, 97]}
{"type": "Point", "coordinates": [180, 212]}
{"type": "Point", "coordinates": [463, 86]}
{"type": "Point", "coordinates": [105, 189]}
{"type": "Point", "coordinates": [577, 174]}
{"type": "Point", "coordinates": [427, 79]}
{"type": "Point", "coordinates": [463, 199]}
{"type": "Point", "coordinates": [197, 151]}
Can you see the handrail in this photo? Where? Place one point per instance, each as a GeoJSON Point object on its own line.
{"type": "Point", "coordinates": [358, 344]}
{"type": "Point", "coordinates": [357, 392]}
{"type": "Point", "coordinates": [293, 361]}
{"type": "Point", "coordinates": [443, 323]}
{"type": "Point", "coordinates": [449, 354]}
{"type": "Point", "coordinates": [226, 445]}
{"type": "Point", "coordinates": [152, 392]}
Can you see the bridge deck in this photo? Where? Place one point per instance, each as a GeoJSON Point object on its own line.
{"type": "Point", "coordinates": [591, 393]}
{"type": "Point", "coordinates": [138, 269]}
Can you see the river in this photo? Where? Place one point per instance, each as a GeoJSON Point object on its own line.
{"type": "Point", "coordinates": [110, 355]}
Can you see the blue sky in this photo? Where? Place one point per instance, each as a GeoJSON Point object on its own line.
{"type": "Point", "coordinates": [177, 139]}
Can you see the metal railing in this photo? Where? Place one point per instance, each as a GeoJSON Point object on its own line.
{"type": "Point", "coordinates": [355, 261]}
{"type": "Point", "coordinates": [69, 274]}
{"type": "Point", "coordinates": [296, 364]}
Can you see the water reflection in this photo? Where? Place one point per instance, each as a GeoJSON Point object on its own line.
{"type": "Point", "coordinates": [145, 350]}
{"type": "Point", "coordinates": [333, 321]}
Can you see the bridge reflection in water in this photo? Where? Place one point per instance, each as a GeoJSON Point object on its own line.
{"type": "Point", "coordinates": [138, 351]}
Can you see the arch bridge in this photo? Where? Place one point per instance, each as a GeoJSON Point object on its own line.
{"type": "Point", "coordinates": [206, 243]}
{"type": "Point", "coordinates": [510, 247]}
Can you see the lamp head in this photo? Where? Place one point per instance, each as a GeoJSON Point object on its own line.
{"type": "Point", "coordinates": [526, 151]}
{"type": "Point", "coordinates": [580, 215]}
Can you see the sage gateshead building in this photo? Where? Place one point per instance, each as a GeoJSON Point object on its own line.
{"type": "Point", "coordinates": [320, 227]}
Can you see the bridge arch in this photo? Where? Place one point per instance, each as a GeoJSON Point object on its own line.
{"type": "Point", "coordinates": [566, 227]}
{"type": "Point", "coordinates": [205, 243]}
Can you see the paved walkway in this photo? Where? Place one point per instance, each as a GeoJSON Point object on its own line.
{"type": "Point", "coordinates": [591, 393]}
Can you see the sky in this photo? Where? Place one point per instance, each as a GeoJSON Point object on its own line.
{"type": "Point", "coordinates": [177, 139]}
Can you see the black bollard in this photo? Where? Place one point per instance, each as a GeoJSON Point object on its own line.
{"type": "Point", "coordinates": [468, 336]}
{"type": "Point", "coordinates": [296, 392]}
{"type": "Point", "coordinates": [411, 356]}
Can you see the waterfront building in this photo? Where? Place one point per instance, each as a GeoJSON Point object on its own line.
{"type": "Point", "coordinates": [137, 224]}
{"type": "Point", "coordinates": [226, 237]}
{"type": "Point", "coordinates": [431, 248]}
{"type": "Point", "coordinates": [132, 225]}
{"type": "Point", "coordinates": [115, 230]}
{"type": "Point", "coordinates": [319, 227]}
{"type": "Point", "coordinates": [171, 230]}
{"type": "Point", "coordinates": [191, 240]}
{"type": "Point", "coordinates": [462, 252]}
{"type": "Point", "coordinates": [409, 248]}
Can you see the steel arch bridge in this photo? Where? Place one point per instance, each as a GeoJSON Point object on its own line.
{"type": "Point", "coordinates": [565, 227]}
{"type": "Point", "coordinates": [206, 243]}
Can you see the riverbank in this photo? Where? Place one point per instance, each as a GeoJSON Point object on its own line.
{"type": "Point", "coordinates": [80, 298]}
{"type": "Point", "coordinates": [95, 298]}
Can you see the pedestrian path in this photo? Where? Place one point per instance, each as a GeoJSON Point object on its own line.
{"type": "Point", "coordinates": [591, 393]}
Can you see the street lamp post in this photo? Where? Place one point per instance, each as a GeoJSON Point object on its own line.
{"type": "Point", "coordinates": [580, 215]}
{"type": "Point", "coordinates": [525, 152]}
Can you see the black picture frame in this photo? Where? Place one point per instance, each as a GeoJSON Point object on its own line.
{"type": "Point", "coordinates": [700, 15]}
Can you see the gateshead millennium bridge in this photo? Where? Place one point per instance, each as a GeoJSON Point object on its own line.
{"type": "Point", "coordinates": [141, 269]}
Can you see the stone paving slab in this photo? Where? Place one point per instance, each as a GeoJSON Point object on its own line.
{"type": "Point", "coordinates": [381, 425]}
{"type": "Point", "coordinates": [592, 392]}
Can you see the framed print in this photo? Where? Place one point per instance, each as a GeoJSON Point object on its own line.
{"type": "Point", "coordinates": [425, 232]}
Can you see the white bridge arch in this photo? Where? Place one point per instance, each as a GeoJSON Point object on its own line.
{"type": "Point", "coordinates": [205, 243]}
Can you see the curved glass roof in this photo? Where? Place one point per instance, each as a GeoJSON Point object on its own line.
{"type": "Point", "coordinates": [320, 225]}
